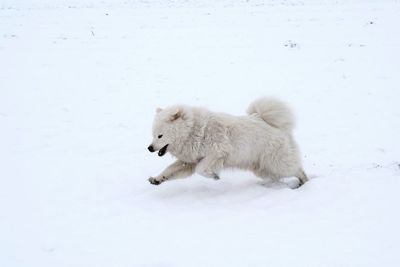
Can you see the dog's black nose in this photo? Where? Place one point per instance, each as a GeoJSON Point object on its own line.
{"type": "Point", "coordinates": [151, 148]}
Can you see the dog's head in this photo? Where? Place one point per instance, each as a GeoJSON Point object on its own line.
{"type": "Point", "coordinates": [171, 127]}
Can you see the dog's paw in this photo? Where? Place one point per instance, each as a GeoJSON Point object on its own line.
{"type": "Point", "coordinates": [154, 181]}
{"type": "Point", "coordinates": [215, 176]}
{"type": "Point", "coordinates": [292, 182]}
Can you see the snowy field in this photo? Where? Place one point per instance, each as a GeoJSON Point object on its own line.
{"type": "Point", "coordinates": [79, 85]}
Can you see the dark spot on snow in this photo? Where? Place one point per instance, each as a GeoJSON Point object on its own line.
{"type": "Point", "coordinates": [48, 250]}
{"type": "Point", "coordinates": [8, 36]}
{"type": "Point", "coordinates": [291, 44]}
{"type": "Point", "coordinates": [376, 166]}
{"type": "Point", "coordinates": [382, 150]}
{"type": "Point", "coordinates": [359, 45]}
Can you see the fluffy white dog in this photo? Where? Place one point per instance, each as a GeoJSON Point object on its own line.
{"type": "Point", "coordinates": [206, 142]}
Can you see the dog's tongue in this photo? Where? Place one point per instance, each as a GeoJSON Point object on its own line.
{"type": "Point", "coordinates": [162, 151]}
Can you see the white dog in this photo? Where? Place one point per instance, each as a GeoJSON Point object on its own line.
{"type": "Point", "coordinates": [206, 142]}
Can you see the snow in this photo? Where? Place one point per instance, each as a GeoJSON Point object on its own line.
{"type": "Point", "coordinates": [79, 85]}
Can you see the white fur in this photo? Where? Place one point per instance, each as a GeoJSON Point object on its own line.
{"type": "Point", "coordinates": [206, 142]}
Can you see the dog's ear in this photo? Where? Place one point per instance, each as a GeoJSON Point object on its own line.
{"type": "Point", "coordinates": [158, 110]}
{"type": "Point", "coordinates": [176, 115]}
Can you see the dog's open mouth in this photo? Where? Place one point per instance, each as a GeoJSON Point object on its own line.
{"type": "Point", "coordinates": [162, 151]}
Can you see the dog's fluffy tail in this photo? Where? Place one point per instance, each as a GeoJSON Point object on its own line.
{"type": "Point", "coordinates": [274, 112]}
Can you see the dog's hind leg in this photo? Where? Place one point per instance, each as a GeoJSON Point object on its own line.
{"type": "Point", "coordinates": [178, 169]}
{"type": "Point", "coordinates": [302, 177]}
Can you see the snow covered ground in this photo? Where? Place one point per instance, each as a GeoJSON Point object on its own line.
{"type": "Point", "coordinates": [79, 84]}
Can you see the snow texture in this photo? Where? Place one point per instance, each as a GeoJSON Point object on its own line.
{"type": "Point", "coordinates": [79, 85]}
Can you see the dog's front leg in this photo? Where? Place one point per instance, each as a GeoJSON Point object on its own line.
{"type": "Point", "coordinates": [178, 169]}
{"type": "Point", "coordinates": [210, 167]}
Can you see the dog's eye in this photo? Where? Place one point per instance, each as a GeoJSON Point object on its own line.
{"type": "Point", "coordinates": [160, 136]}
